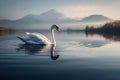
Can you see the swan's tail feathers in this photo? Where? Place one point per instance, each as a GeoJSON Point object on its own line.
{"type": "Point", "coordinates": [27, 33]}
{"type": "Point", "coordinates": [21, 39]}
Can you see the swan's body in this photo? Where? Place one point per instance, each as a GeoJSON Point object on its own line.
{"type": "Point", "coordinates": [37, 38]}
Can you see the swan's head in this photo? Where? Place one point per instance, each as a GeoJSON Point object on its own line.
{"type": "Point", "coordinates": [55, 28]}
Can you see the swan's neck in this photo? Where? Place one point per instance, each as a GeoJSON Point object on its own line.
{"type": "Point", "coordinates": [52, 36]}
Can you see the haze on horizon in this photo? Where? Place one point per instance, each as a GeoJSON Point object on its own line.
{"type": "Point", "coordinates": [15, 9]}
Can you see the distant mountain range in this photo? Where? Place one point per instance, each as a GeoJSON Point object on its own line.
{"type": "Point", "coordinates": [52, 16]}
{"type": "Point", "coordinates": [46, 17]}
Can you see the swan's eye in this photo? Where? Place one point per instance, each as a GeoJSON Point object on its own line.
{"type": "Point", "coordinates": [57, 27]}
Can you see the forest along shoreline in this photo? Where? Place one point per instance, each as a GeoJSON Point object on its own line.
{"type": "Point", "coordinates": [110, 30]}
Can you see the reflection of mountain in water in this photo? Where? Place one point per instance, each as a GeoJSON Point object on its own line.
{"type": "Point", "coordinates": [93, 44]}
{"type": "Point", "coordinates": [32, 49]}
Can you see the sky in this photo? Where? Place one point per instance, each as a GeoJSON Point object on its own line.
{"type": "Point", "coordinates": [15, 9]}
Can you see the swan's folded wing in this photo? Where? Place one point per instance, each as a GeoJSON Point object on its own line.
{"type": "Point", "coordinates": [38, 38]}
{"type": "Point", "coordinates": [40, 35]}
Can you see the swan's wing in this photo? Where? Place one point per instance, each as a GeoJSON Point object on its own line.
{"type": "Point", "coordinates": [24, 38]}
{"type": "Point", "coordinates": [39, 38]}
{"type": "Point", "coordinates": [40, 35]}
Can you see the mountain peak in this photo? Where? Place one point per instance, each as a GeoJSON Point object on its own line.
{"type": "Point", "coordinates": [95, 18]}
{"type": "Point", "coordinates": [52, 10]}
{"type": "Point", "coordinates": [52, 14]}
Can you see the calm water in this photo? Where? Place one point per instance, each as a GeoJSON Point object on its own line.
{"type": "Point", "coordinates": [76, 56]}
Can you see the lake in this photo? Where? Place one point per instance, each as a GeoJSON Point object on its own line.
{"type": "Point", "coordinates": [76, 56]}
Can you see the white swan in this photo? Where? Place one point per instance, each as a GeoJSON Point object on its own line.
{"type": "Point", "coordinates": [37, 38]}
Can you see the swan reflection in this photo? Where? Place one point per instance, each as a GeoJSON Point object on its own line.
{"type": "Point", "coordinates": [33, 49]}
{"type": "Point", "coordinates": [53, 56]}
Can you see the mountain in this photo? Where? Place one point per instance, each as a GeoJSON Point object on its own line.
{"type": "Point", "coordinates": [95, 18]}
{"type": "Point", "coordinates": [51, 16]}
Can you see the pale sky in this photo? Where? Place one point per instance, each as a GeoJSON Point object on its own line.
{"type": "Point", "coordinates": [15, 9]}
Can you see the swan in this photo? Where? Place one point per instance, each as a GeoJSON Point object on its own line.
{"type": "Point", "coordinates": [37, 38]}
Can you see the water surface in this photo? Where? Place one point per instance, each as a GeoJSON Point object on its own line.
{"type": "Point", "coordinates": [76, 56]}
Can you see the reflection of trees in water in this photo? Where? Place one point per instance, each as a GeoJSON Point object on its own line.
{"type": "Point", "coordinates": [114, 37]}
{"type": "Point", "coordinates": [33, 49]}
{"type": "Point", "coordinates": [4, 31]}
{"type": "Point", "coordinates": [109, 36]}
